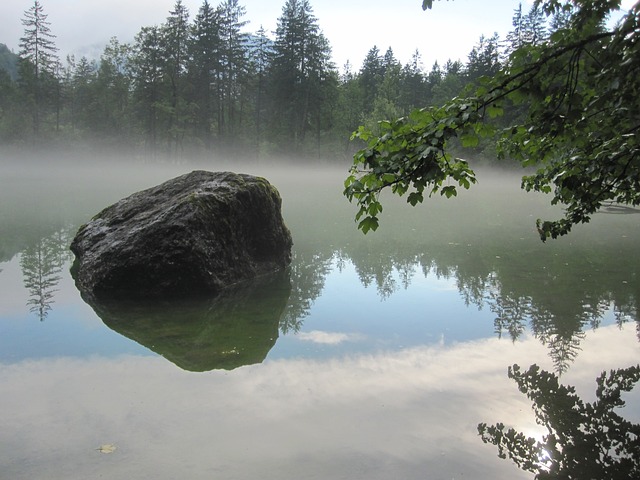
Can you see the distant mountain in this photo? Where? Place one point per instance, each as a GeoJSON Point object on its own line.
{"type": "Point", "coordinates": [8, 61]}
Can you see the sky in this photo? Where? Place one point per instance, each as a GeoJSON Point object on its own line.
{"type": "Point", "coordinates": [353, 27]}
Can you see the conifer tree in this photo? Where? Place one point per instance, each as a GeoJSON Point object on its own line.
{"type": "Point", "coordinates": [301, 69]}
{"type": "Point", "coordinates": [38, 59]}
{"type": "Point", "coordinates": [113, 81]}
{"type": "Point", "coordinates": [147, 67]}
{"type": "Point", "coordinates": [370, 77]}
{"type": "Point", "coordinates": [175, 38]}
{"type": "Point", "coordinates": [204, 67]}
{"type": "Point", "coordinates": [261, 56]}
{"type": "Point", "coordinates": [233, 67]}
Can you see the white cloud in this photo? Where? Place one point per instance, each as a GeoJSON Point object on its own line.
{"type": "Point", "coordinates": [328, 338]}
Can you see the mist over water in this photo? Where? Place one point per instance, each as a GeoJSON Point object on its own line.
{"type": "Point", "coordinates": [391, 347]}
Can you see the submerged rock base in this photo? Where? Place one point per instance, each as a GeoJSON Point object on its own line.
{"type": "Point", "coordinates": [194, 235]}
{"type": "Point", "coordinates": [235, 328]}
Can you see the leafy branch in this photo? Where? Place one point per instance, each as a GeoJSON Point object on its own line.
{"type": "Point", "coordinates": [576, 106]}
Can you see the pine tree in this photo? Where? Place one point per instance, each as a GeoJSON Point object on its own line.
{"type": "Point", "coordinates": [175, 34]}
{"type": "Point", "coordinates": [80, 92]}
{"type": "Point", "coordinates": [535, 26]}
{"type": "Point", "coordinates": [413, 86]}
{"type": "Point", "coordinates": [149, 92]}
{"type": "Point", "coordinates": [529, 29]}
{"type": "Point", "coordinates": [260, 58]}
{"type": "Point", "coordinates": [233, 68]}
{"type": "Point", "coordinates": [348, 115]}
{"type": "Point", "coordinates": [204, 68]}
{"type": "Point", "coordinates": [113, 86]}
{"type": "Point", "coordinates": [38, 59]}
{"type": "Point", "coordinates": [302, 73]}
{"type": "Point", "coordinates": [370, 77]}
{"type": "Point", "coordinates": [516, 37]}
{"type": "Point", "coordinates": [484, 58]}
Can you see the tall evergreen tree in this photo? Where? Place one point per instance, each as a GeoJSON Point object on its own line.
{"type": "Point", "coordinates": [413, 86]}
{"type": "Point", "coordinates": [349, 114]}
{"type": "Point", "coordinates": [535, 26]}
{"type": "Point", "coordinates": [261, 56]}
{"type": "Point", "coordinates": [81, 94]}
{"type": "Point", "coordinates": [516, 38]}
{"type": "Point", "coordinates": [203, 71]}
{"type": "Point", "coordinates": [300, 71]}
{"type": "Point", "coordinates": [175, 34]}
{"type": "Point", "coordinates": [529, 29]}
{"type": "Point", "coordinates": [371, 75]}
{"type": "Point", "coordinates": [113, 80]}
{"type": "Point", "coordinates": [390, 86]}
{"type": "Point", "coordinates": [451, 83]}
{"type": "Point", "coordinates": [484, 58]}
{"type": "Point", "coordinates": [233, 67]}
{"type": "Point", "coordinates": [38, 60]}
{"type": "Point", "coordinates": [148, 66]}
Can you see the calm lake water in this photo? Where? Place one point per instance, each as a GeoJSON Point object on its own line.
{"type": "Point", "coordinates": [374, 357]}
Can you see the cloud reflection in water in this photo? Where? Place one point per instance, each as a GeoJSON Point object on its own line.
{"type": "Point", "coordinates": [408, 414]}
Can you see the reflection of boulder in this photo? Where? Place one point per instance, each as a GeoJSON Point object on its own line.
{"type": "Point", "coordinates": [193, 235]}
{"type": "Point", "coordinates": [237, 327]}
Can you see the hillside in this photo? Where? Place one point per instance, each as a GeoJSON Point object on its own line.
{"type": "Point", "coordinates": [8, 61]}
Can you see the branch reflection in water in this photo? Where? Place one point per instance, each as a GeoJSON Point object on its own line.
{"type": "Point", "coordinates": [582, 439]}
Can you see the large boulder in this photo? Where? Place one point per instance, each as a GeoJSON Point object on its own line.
{"type": "Point", "coordinates": [194, 235]}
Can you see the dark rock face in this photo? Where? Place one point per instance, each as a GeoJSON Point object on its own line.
{"type": "Point", "coordinates": [194, 235]}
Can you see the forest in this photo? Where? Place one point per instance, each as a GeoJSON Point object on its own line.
{"type": "Point", "coordinates": [203, 86]}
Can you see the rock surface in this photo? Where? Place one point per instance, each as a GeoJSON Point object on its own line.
{"type": "Point", "coordinates": [194, 235]}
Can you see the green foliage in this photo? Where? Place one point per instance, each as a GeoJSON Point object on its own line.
{"type": "Point", "coordinates": [576, 98]}
{"type": "Point", "coordinates": [584, 440]}
{"type": "Point", "coordinates": [409, 156]}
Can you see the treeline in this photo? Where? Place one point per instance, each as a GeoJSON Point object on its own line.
{"type": "Point", "coordinates": [203, 85]}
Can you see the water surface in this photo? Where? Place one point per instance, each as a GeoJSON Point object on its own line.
{"type": "Point", "coordinates": [373, 357]}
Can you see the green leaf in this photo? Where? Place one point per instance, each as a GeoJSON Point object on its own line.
{"type": "Point", "coordinates": [369, 223]}
{"type": "Point", "coordinates": [414, 198]}
{"type": "Point", "coordinates": [495, 111]}
{"type": "Point", "coordinates": [449, 191]}
{"type": "Point", "coordinates": [388, 178]}
{"type": "Point", "coordinates": [374, 208]}
{"type": "Point", "coordinates": [470, 140]}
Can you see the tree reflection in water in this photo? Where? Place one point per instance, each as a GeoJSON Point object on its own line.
{"type": "Point", "coordinates": [41, 264]}
{"type": "Point", "coordinates": [308, 271]}
{"type": "Point", "coordinates": [583, 440]}
{"type": "Point", "coordinates": [556, 293]}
